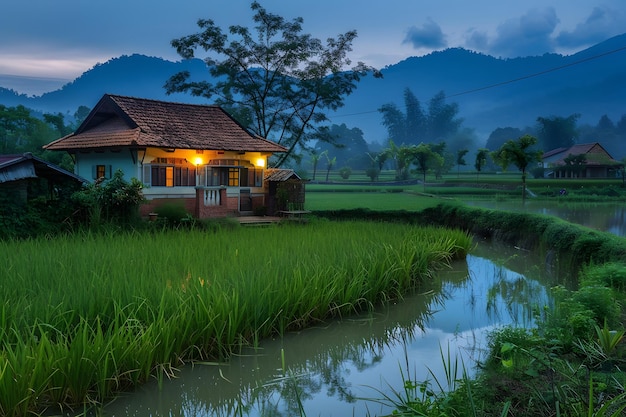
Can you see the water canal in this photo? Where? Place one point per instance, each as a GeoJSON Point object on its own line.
{"type": "Point", "coordinates": [332, 368]}
{"type": "Point", "coordinates": [605, 217]}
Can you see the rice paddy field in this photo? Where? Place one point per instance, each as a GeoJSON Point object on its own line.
{"type": "Point", "coordinates": [86, 316]}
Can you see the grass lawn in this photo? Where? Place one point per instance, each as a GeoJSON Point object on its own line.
{"type": "Point", "coordinates": [338, 195]}
{"type": "Point", "coordinates": [336, 200]}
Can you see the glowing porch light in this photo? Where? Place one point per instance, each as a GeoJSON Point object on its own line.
{"type": "Point", "coordinates": [260, 162]}
{"type": "Point", "coordinates": [197, 161]}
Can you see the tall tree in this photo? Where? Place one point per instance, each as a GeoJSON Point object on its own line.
{"type": "Point", "coordinates": [315, 159]}
{"type": "Point", "coordinates": [481, 160]}
{"type": "Point", "coordinates": [425, 159]}
{"type": "Point", "coordinates": [620, 127]}
{"type": "Point", "coordinates": [278, 83]}
{"type": "Point", "coordinates": [500, 135]}
{"type": "Point", "coordinates": [605, 123]}
{"type": "Point", "coordinates": [347, 144]}
{"type": "Point", "coordinates": [395, 122]}
{"type": "Point", "coordinates": [442, 120]}
{"type": "Point", "coordinates": [414, 126]}
{"type": "Point", "coordinates": [557, 132]}
{"type": "Point", "coordinates": [460, 160]}
{"type": "Point", "coordinates": [521, 153]}
{"type": "Point", "coordinates": [445, 163]}
{"type": "Point", "coordinates": [330, 163]}
{"type": "Point", "coordinates": [416, 120]}
{"type": "Point", "coordinates": [16, 128]}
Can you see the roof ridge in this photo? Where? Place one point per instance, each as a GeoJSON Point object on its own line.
{"type": "Point", "coordinates": [178, 103]}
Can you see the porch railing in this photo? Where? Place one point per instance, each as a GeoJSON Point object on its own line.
{"type": "Point", "coordinates": [212, 196]}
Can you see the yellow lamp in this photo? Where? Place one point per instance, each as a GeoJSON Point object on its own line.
{"type": "Point", "coordinates": [260, 162]}
{"type": "Point", "coordinates": [197, 161]}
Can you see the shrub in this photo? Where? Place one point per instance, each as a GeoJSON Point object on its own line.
{"type": "Point", "coordinates": [173, 212]}
{"type": "Point", "coordinates": [610, 274]}
{"type": "Point", "coordinates": [345, 172]}
{"type": "Point", "coordinates": [600, 301]}
{"type": "Point", "coordinates": [114, 200]}
{"type": "Point", "coordinates": [372, 173]}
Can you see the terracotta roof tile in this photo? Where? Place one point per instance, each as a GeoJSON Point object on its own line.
{"type": "Point", "coordinates": [119, 121]}
{"type": "Point", "coordinates": [279, 175]}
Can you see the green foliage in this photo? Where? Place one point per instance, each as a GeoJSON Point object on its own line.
{"type": "Point", "coordinates": [600, 301]}
{"type": "Point", "coordinates": [281, 89]}
{"type": "Point", "coordinates": [372, 173]}
{"type": "Point", "coordinates": [121, 307]}
{"type": "Point", "coordinates": [114, 200]}
{"type": "Point", "coordinates": [608, 339]}
{"type": "Point", "coordinates": [345, 172]}
{"type": "Point", "coordinates": [520, 153]}
{"type": "Point", "coordinates": [609, 274]}
{"type": "Point", "coordinates": [417, 126]}
{"type": "Point", "coordinates": [174, 214]}
{"type": "Point", "coordinates": [557, 132]}
{"type": "Point", "coordinates": [40, 214]}
{"type": "Point", "coordinates": [346, 144]}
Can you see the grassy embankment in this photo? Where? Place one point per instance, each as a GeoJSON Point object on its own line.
{"type": "Point", "coordinates": [570, 364]}
{"type": "Point", "coordinates": [86, 316]}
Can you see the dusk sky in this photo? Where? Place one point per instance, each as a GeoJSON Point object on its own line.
{"type": "Point", "coordinates": [56, 41]}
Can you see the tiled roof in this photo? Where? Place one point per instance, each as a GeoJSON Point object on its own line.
{"type": "Point", "coordinates": [279, 175]}
{"type": "Point", "coordinates": [594, 153]}
{"type": "Point", "coordinates": [553, 152]}
{"type": "Point", "coordinates": [119, 121]}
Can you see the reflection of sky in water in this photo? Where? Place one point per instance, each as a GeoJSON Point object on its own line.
{"type": "Point", "coordinates": [607, 217]}
{"type": "Point", "coordinates": [354, 358]}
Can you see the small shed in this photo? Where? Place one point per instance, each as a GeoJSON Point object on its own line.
{"type": "Point", "coordinates": [26, 176]}
{"type": "Point", "coordinates": [286, 190]}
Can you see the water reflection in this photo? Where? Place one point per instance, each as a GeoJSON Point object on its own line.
{"type": "Point", "coordinates": [329, 369]}
{"type": "Point", "coordinates": [605, 217]}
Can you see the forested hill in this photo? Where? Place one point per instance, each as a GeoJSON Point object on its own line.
{"type": "Point", "coordinates": [135, 75]}
{"type": "Point", "coordinates": [491, 92]}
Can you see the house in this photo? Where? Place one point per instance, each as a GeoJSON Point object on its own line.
{"type": "Point", "coordinates": [584, 160]}
{"type": "Point", "coordinates": [25, 176]}
{"type": "Point", "coordinates": [197, 154]}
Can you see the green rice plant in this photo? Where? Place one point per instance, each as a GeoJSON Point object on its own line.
{"type": "Point", "coordinates": [105, 312]}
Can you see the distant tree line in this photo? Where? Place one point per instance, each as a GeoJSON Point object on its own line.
{"type": "Point", "coordinates": [21, 131]}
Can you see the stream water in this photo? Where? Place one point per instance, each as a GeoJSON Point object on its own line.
{"type": "Point", "coordinates": [605, 217]}
{"type": "Point", "coordinates": [332, 369]}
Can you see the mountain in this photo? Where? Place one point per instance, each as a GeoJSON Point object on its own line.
{"type": "Point", "coordinates": [491, 92]}
{"type": "Point", "coordinates": [134, 75]}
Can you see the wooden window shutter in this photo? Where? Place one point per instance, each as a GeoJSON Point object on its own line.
{"type": "Point", "coordinates": [146, 175]}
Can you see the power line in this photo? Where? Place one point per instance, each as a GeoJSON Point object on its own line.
{"type": "Point", "coordinates": [525, 77]}
{"type": "Point", "coordinates": [514, 80]}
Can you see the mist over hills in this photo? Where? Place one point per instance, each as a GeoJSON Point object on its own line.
{"type": "Point", "coordinates": [491, 92]}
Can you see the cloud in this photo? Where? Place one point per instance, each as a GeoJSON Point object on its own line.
{"type": "Point", "coordinates": [601, 24]}
{"type": "Point", "coordinates": [529, 35]}
{"type": "Point", "coordinates": [477, 40]}
{"type": "Point", "coordinates": [428, 36]}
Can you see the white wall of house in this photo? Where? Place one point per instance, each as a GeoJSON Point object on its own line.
{"type": "Point", "coordinates": [139, 165]}
{"type": "Point", "coordinates": [87, 164]}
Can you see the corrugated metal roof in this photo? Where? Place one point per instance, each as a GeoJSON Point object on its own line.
{"type": "Point", "coordinates": [17, 167]}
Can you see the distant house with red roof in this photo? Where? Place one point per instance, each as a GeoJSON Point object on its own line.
{"type": "Point", "coordinates": [195, 153]}
{"type": "Point", "coordinates": [584, 160]}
